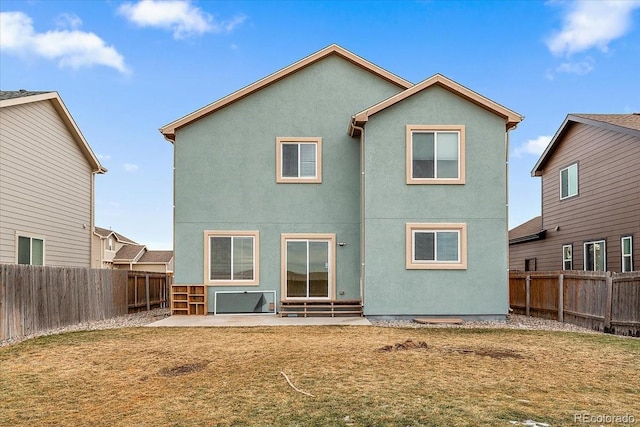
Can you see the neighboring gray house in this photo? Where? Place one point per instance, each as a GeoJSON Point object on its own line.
{"type": "Point", "coordinates": [335, 180]}
{"type": "Point", "coordinates": [47, 172]}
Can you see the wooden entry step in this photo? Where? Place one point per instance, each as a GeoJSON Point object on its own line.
{"type": "Point", "coordinates": [321, 308]}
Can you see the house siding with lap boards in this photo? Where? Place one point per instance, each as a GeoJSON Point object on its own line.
{"type": "Point", "coordinates": [298, 186]}
{"type": "Point", "coordinates": [602, 206]}
{"type": "Point", "coordinates": [47, 174]}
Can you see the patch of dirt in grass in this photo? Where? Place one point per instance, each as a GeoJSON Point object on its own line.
{"type": "Point", "coordinates": [185, 369]}
{"type": "Point", "coordinates": [489, 352]}
{"type": "Point", "coordinates": [407, 345]}
{"type": "Point", "coordinates": [486, 352]}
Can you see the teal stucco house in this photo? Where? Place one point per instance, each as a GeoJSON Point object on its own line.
{"type": "Point", "coordinates": [334, 185]}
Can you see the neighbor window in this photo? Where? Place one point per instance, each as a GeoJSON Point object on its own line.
{"type": "Point", "coordinates": [627, 253]}
{"type": "Point", "coordinates": [530, 264]}
{"type": "Point", "coordinates": [569, 181]}
{"type": "Point", "coordinates": [435, 154]}
{"type": "Point", "coordinates": [567, 257]}
{"type": "Point", "coordinates": [231, 257]}
{"type": "Point", "coordinates": [299, 160]}
{"type": "Point", "coordinates": [436, 246]}
{"type": "Point", "coordinates": [595, 256]}
{"type": "Point", "coordinates": [30, 250]}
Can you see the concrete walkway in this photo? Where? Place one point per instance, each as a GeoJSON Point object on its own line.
{"type": "Point", "coordinates": [222, 320]}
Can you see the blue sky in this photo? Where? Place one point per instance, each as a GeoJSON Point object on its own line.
{"type": "Point", "coordinates": [124, 69]}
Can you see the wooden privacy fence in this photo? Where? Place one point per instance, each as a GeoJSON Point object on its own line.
{"type": "Point", "coordinates": [146, 290]}
{"type": "Point", "coordinates": [36, 298]}
{"type": "Point", "coordinates": [603, 301]}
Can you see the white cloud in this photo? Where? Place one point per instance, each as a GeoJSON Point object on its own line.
{"type": "Point", "coordinates": [533, 146]}
{"type": "Point", "coordinates": [104, 156]}
{"type": "Point", "coordinates": [68, 21]}
{"type": "Point", "coordinates": [181, 17]}
{"type": "Point", "coordinates": [582, 67]}
{"type": "Point", "coordinates": [130, 167]}
{"type": "Point", "coordinates": [590, 24]}
{"type": "Point", "coordinates": [74, 49]}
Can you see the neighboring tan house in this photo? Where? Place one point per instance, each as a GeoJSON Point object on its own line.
{"type": "Point", "coordinates": [113, 250]}
{"type": "Point", "coordinates": [590, 199]}
{"type": "Point", "coordinates": [47, 173]}
{"type": "Point", "coordinates": [336, 180]}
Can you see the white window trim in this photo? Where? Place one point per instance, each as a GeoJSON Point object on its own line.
{"type": "Point", "coordinates": [410, 129]}
{"type": "Point", "coordinates": [577, 181]}
{"type": "Point", "coordinates": [280, 141]}
{"type": "Point", "coordinates": [604, 259]}
{"type": "Point", "coordinates": [629, 255]}
{"type": "Point", "coordinates": [410, 230]}
{"type": "Point", "coordinates": [570, 260]}
{"type": "Point", "coordinates": [231, 233]}
{"type": "Point", "coordinates": [31, 236]}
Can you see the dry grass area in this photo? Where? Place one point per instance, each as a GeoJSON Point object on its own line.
{"type": "Point", "coordinates": [358, 376]}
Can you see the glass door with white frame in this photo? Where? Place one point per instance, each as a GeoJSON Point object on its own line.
{"type": "Point", "coordinates": [308, 269]}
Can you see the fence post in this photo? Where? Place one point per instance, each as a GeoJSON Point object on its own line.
{"type": "Point", "coordinates": [607, 308]}
{"type": "Point", "coordinates": [561, 298]}
{"type": "Point", "coordinates": [527, 290]}
{"type": "Point", "coordinates": [146, 283]}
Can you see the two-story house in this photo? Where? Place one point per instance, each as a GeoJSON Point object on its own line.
{"type": "Point", "coordinates": [47, 174]}
{"type": "Point", "coordinates": [334, 179]}
{"type": "Point", "coordinates": [113, 250]}
{"type": "Point", "coordinates": [590, 199]}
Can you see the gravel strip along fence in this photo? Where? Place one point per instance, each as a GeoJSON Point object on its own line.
{"type": "Point", "coordinates": [142, 318]}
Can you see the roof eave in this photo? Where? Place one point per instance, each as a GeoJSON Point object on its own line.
{"type": "Point", "coordinates": [512, 118]}
{"type": "Point", "coordinates": [528, 238]}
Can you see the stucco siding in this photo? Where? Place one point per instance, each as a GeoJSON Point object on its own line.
{"type": "Point", "coordinates": [226, 171]}
{"type": "Point", "coordinates": [45, 185]}
{"type": "Point", "coordinates": [480, 203]}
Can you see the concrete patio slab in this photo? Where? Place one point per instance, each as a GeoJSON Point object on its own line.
{"type": "Point", "coordinates": [222, 320]}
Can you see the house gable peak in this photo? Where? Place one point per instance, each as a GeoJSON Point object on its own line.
{"type": "Point", "coordinates": [169, 130]}
{"type": "Point", "coordinates": [512, 118]}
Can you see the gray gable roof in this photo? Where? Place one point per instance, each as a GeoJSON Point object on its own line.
{"type": "Point", "coordinates": [11, 94]}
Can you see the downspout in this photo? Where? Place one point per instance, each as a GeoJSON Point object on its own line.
{"type": "Point", "coordinates": [362, 211]}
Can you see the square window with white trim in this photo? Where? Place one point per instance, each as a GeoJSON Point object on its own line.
{"type": "Point", "coordinates": [299, 160]}
{"type": "Point", "coordinates": [435, 154]}
{"type": "Point", "coordinates": [231, 258]}
{"type": "Point", "coordinates": [436, 246]}
{"type": "Point", "coordinates": [30, 250]}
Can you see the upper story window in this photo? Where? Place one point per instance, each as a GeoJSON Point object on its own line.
{"type": "Point", "coordinates": [435, 154]}
{"type": "Point", "coordinates": [436, 246]}
{"type": "Point", "coordinates": [595, 256]}
{"type": "Point", "coordinates": [110, 245]}
{"type": "Point", "coordinates": [231, 257]}
{"type": "Point", "coordinates": [567, 257]}
{"type": "Point", "coordinates": [30, 250]}
{"type": "Point", "coordinates": [299, 160]}
{"type": "Point", "coordinates": [627, 253]}
{"type": "Point", "coordinates": [569, 181]}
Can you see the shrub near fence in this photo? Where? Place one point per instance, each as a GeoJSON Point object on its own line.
{"type": "Point", "coordinates": [36, 298]}
{"type": "Point", "coordinates": [602, 301]}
